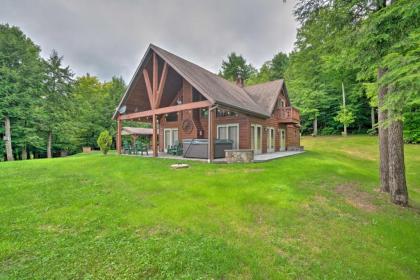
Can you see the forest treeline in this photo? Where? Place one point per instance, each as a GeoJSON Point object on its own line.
{"type": "Point", "coordinates": [340, 46]}
{"type": "Point", "coordinates": [351, 57]}
{"type": "Point", "coordinates": [46, 110]}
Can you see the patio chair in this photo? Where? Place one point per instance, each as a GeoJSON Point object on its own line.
{"type": "Point", "coordinates": [127, 148]}
{"type": "Point", "coordinates": [178, 149]}
{"type": "Point", "coordinates": [141, 148]}
{"type": "Point", "coordinates": [175, 150]}
{"type": "Point", "coordinates": [170, 149]}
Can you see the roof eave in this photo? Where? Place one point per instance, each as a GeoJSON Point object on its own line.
{"type": "Point", "coordinates": [273, 106]}
{"type": "Point", "coordinates": [196, 86]}
{"type": "Point", "coordinates": [139, 68]}
{"type": "Point", "coordinates": [243, 110]}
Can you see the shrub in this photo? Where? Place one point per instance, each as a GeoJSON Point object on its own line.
{"type": "Point", "coordinates": [104, 141]}
{"type": "Point", "coordinates": [328, 131]}
{"type": "Point", "coordinates": [412, 125]}
{"type": "Point", "coordinates": [372, 131]}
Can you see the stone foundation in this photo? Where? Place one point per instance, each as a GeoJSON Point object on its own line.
{"type": "Point", "coordinates": [295, 148]}
{"type": "Point", "coordinates": [240, 155]}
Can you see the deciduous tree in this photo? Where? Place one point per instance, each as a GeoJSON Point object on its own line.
{"type": "Point", "coordinates": [21, 81]}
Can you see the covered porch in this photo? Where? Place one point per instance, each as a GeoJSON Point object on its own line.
{"type": "Point", "coordinates": [154, 116]}
{"type": "Point", "coordinates": [161, 92]}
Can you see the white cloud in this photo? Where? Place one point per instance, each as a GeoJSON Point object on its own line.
{"type": "Point", "coordinates": [107, 38]}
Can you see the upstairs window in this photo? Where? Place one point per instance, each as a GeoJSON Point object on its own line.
{"type": "Point", "coordinates": [171, 117]}
{"type": "Point", "coordinates": [281, 103]}
{"type": "Point", "coordinates": [225, 113]}
{"type": "Point", "coordinates": [204, 113]}
{"type": "Point", "coordinates": [197, 96]}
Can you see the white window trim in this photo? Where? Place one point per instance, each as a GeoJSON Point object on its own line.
{"type": "Point", "coordinates": [285, 140]}
{"type": "Point", "coordinates": [165, 147]}
{"type": "Point", "coordinates": [227, 131]}
{"type": "Point", "coordinates": [255, 135]}
{"type": "Point", "coordinates": [281, 103]}
{"type": "Point", "coordinates": [269, 139]}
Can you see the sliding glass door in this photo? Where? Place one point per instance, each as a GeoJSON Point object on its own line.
{"type": "Point", "coordinates": [282, 139]}
{"type": "Point", "coordinates": [256, 138]}
{"type": "Point", "coordinates": [270, 140]}
{"type": "Point", "coordinates": [170, 137]}
{"type": "Point", "coordinates": [229, 132]}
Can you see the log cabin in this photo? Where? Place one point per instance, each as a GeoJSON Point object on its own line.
{"type": "Point", "coordinates": [185, 102]}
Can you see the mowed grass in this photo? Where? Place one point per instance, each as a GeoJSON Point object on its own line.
{"type": "Point", "coordinates": [314, 215]}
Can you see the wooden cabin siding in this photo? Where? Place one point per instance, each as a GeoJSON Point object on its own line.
{"type": "Point", "coordinates": [200, 123]}
{"type": "Point", "coordinates": [241, 120]}
{"type": "Point", "coordinates": [292, 136]}
{"type": "Point", "coordinates": [244, 122]}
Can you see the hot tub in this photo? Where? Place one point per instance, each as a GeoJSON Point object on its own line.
{"type": "Point", "coordinates": [198, 148]}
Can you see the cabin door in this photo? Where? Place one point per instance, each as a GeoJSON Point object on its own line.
{"type": "Point", "coordinates": [282, 139]}
{"type": "Point", "coordinates": [170, 137]}
{"type": "Point", "coordinates": [270, 140]}
{"type": "Point", "coordinates": [256, 137]}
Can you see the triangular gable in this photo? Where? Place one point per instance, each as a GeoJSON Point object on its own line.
{"type": "Point", "coordinates": [130, 87]}
{"type": "Point", "coordinates": [212, 87]}
{"type": "Point", "coordinates": [170, 62]}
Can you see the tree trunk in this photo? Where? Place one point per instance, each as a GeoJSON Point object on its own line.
{"type": "Point", "coordinates": [8, 137]}
{"type": "Point", "coordinates": [315, 133]}
{"type": "Point", "coordinates": [345, 130]}
{"type": "Point", "coordinates": [49, 145]}
{"type": "Point", "coordinates": [24, 153]}
{"type": "Point", "coordinates": [372, 117]}
{"type": "Point", "coordinates": [397, 182]}
{"type": "Point", "coordinates": [383, 136]}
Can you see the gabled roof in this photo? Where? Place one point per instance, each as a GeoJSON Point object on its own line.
{"type": "Point", "coordinates": [258, 99]}
{"type": "Point", "coordinates": [266, 94]}
{"type": "Point", "coordinates": [212, 86]}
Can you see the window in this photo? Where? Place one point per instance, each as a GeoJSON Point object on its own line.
{"type": "Point", "coordinates": [225, 113]}
{"type": "Point", "coordinates": [230, 132]}
{"type": "Point", "coordinates": [204, 113]}
{"type": "Point", "coordinates": [281, 103]}
{"type": "Point", "coordinates": [171, 117]}
{"type": "Point", "coordinates": [196, 96]}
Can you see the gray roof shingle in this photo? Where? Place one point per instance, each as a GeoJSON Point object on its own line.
{"type": "Point", "coordinates": [265, 94]}
{"type": "Point", "coordinates": [257, 99]}
{"type": "Point", "coordinates": [211, 85]}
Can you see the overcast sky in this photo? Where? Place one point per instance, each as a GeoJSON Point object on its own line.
{"type": "Point", "coordinates": [107, 38]}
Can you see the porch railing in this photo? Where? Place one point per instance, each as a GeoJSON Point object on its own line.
{"type": "Point", "coordinates": [288, 115]}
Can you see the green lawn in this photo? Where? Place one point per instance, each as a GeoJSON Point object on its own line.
{"type": "Point", "coordinates": [314, 215]}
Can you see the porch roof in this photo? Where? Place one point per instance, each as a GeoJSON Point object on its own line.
{"type": "Point", "coordinates": [136, 131]}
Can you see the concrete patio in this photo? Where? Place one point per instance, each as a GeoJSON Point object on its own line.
{"type": "Point", "coordinates": [257, 158]}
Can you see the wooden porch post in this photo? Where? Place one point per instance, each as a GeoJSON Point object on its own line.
{"type": "Point", "coordinates": [211, 133]}
{"type": "Point", "coordinates": [119, 129]}
{"type": "Point", "coordinates": [154, 136]}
